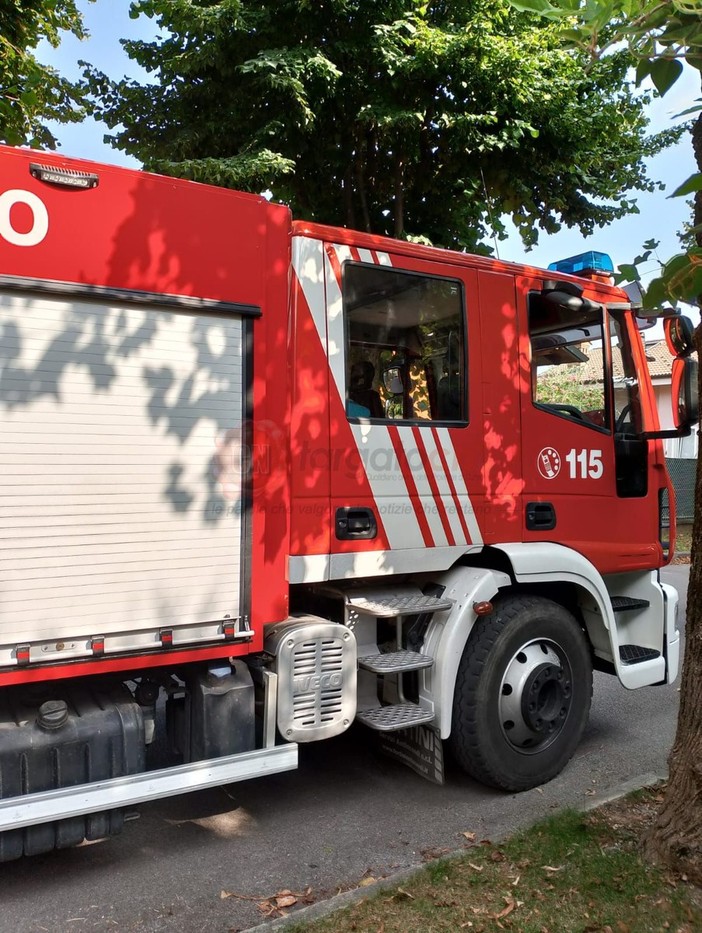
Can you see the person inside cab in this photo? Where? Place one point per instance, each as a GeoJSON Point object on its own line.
{"type": "Point", "coordinates": [363, 401]}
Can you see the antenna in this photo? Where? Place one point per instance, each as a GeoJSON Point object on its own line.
{"type": "Point", "coordinates": [489, 207]}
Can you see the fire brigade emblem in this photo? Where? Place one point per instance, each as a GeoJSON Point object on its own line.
{"type": "Point", "coordinates": [549, 463]}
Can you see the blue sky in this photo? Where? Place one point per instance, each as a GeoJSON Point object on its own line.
{"type": "Point", "coordinates": [659, 217]}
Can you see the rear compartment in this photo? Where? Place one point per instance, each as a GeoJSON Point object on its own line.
{"type": "Point", "coordinates": [117, 423]}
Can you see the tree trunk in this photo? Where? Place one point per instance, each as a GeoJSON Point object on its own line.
{"type": "Point", "coordinates": [361, 184]}
{"type": "Point", "coordinates": [675, 840]}
{"type": "Point", "coordinates": [348, 198]}
{"type": "Point", "coordinates": [399, 196]}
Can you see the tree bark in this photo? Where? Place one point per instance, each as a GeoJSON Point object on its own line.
{"type": "Point", "coordinates": [697, 149]}
{"type": "Point", "coordinates": [675, 840]}
{"type": "Point", "coordinates": [399, 195]}
{"type": "Point", "coordinates": [361, 184]}
{"type": "Point", "coordinates": [348, 198]}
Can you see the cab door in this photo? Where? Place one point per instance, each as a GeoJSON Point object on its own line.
{"type": "Point", "coordinates": [586, 478]}
{"type": "Point", "coordinates": [405, 435]}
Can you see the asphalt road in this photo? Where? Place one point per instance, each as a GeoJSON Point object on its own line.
{"type": "Point", "coordinates": [345, 814]}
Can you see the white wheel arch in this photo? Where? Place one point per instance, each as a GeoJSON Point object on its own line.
{"type": "Point", "coordinates": [533, 563]}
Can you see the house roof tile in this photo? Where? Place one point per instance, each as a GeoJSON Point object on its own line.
{"type": "Point", "coordinates": [660, 363]}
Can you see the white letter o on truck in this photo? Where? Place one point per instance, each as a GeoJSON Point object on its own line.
{"type": "Point", "coordinates": [40, 218]}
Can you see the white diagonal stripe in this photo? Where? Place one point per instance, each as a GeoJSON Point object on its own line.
{"type": "Point", "coordinates": [388, 485]}
{"type": "Point", "coordinates": [444, 487]}
{"type": "Point", "coordinates": [308, 263]}
{"type": "Point", "coordinates": [426, 496]}
{"type": "Point", "coordinates": [456, 474]}
{"type": "Point", "coordinates": [365, 255]}
{"type": "Point", "coordinates": [335, 321]}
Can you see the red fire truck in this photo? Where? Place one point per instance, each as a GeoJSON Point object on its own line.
{"type": "Point", "coordinates": [263, 478]}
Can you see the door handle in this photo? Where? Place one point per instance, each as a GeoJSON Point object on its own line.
{"type": "Point", "coordinates": [540, 516]}
{"type": "Point", "coordinates": [357, 523]}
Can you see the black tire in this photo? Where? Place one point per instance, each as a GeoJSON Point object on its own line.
{"type": "Point", "coordinates": [523, 694]}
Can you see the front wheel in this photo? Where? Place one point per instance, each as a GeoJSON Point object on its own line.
{"type": "Point", "coordinates": [522, 695]}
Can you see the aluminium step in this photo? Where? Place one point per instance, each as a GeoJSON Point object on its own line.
{"type": "Point", "coordinates": [387, 606]}
{"type": "Point", "coordinates": [394, 718]}
{"type": "Point", "coordinates": [395, 662]}
{"type": "Point", "coordinates": [627, 603]}
{"type": "Point", "coordinates": [636, 654]}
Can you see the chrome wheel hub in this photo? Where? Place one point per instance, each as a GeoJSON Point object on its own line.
{"type": "Point", "coordinates": [535, 695]}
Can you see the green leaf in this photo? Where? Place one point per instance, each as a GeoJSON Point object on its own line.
{"type": "Point", "coordinates": [656, 294]}
{"type": "Point", "coordinates": [682, 275]}
{"type": "Point", "coordinates": [694, 60]}
{"type": "Point", "coordinates": [533, 6]}
{"type": "Point", "coordinates": [643, 70]}
{"type": "Point", "coordinates": [664, 73]}
{"type": "Point", "coordinates": [573, 36]}
{"type": "Point", "coordinates": [695, 109]}
{"type": "Point", "coordinates": [629, 272]}
{"type": "Point", "coordinates": [693, 184]}
{"type": "Point", "coordinates": [675, 264]}
{"type": "Point", "coordinates": [693, 284]}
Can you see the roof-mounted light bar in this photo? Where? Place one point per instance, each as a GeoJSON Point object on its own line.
{"type": "Point", "coordinates": [584, 263]}
{"type": "Point", "coordinates": [66, 178]}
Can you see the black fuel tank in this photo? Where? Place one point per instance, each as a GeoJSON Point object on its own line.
{"type": "Point", "coordinates": [63, 735]}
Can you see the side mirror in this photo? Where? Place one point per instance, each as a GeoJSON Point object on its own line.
{"type": "Point", "coordinates": [678, 335]}
{"type": "Point", "coordinates": [686, 409]}
{"type": "Point", "coordinates": [392, 380]}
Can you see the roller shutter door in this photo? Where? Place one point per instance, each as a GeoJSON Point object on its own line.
{"type": "Point", "coordinates": [120, 475]}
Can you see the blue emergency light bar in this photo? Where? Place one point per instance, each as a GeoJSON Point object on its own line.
{"type": "Point", "coordinates": [584, 262]}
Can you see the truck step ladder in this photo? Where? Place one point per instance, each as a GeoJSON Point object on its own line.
{"type": "Point", "coordinates": [396, 603]}
{"type": "Point", "coordinates": [385, 606]}
{"type": "Point", "coordinates": [395, 662]}
{"type": "Point", "coordinates": [628, 603]}
{"type": "Point", "coordinates": [635, 654]}
{"type": "Point", "coordinates": [392, 718]}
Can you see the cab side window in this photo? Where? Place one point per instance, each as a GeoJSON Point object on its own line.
{"type": "Point", "coordinates": [625, 383]}
{"type": "Point", "coordinates": [568, 362]}
{"type": "Point", "coordinates": [405, 345]}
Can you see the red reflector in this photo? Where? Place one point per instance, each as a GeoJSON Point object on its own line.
{"type": "Point", "coordinates": [229, 629]}
{"type": "Point", "coordinates": [22, 653]}
{"type": "Point", "coordinates": [482, 609]}
{"type": "Point", "coordinates": [97, 644]}
{"type": "Point", "coordinates": [166, 637]}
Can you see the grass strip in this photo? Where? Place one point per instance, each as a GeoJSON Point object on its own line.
{"type": "Point", "coordinates": [571, 873]}
{"type": "Point", "coordinates": [683, 539]}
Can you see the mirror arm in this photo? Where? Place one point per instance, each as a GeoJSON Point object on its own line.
{"type": "Point", "coordinates": [664, 435]}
